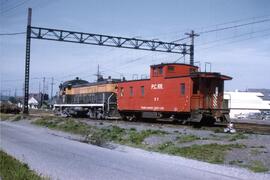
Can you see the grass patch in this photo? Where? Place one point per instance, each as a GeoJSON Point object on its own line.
{"type": "Point", "coordinates": [99, 136]}
{"type": "Point", "coordinates": [218, 130]}
{"type": "Point", "coordinates": [137, 138]}
{"type": "Point", "coordinates": [213, 153]}
{"type": "Point", "coordinates": [14, 169]}
{"type": "Point", "coordinates": [261, 146]}
{"type": "Point", "coordinates": [238, 136]}
{"type": "Point", "coordinates": [11, 117]}
{"type": "Point", "coordinates": [255, 152]}
{"type": "Point", "coordinates": [4, 116]}
{"type": "Point", "coordinates": [64, 124]}
{"type": "Point", "coordinates": [17, 117]}
{"type": "Point", "coordinates": [187, 138]}
{"type": "Point", "coordinates": [257, 166]}
{"type": "Point", "coordinates": [236, 162]}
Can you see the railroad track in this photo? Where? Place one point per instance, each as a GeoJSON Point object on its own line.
{"type": "Point", "coordinates": [252, 127]}
{"type": "Point", "coordinates": [245, 127]}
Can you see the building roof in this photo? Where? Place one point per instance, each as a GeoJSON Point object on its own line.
{"type": "Point", "coordinates": [33, 101]}
{"type": "Point", "coordinates": [247, 100]}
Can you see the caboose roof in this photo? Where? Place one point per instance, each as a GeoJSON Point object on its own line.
{"type": "Point", "coordinates": [166, 64]}
{"type": "Point", "coordinates": [210, 75]}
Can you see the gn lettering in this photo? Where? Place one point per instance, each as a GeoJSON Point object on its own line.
{"type": "Point", "coordinates": [156, 86]}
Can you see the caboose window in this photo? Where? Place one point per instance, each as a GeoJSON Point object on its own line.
{"type": "Point", "coordinates": [182, 89]}
{"type": "Point", "coordinates": [131, 91]}
{"type": "Point", "coordinates": [121, 91]}
{"type": "Point", "coordinates": [142, 90]}
{"type": "Point", "coordinates": [171, 68]}
{"type": "Point", "coordinates": [155, 71]}
{"type": "Point", "coordinates": [160, 70]}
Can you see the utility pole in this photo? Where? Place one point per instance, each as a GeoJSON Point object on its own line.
{"type": "Point", "coordinates": [192, 35]}
{"type": "Point", "coordinates": [27, 62]}
{"type": "Point", "coordinates": [39, 90]}
{"type": "Point", "coordinates": [15, 92]}
{"type": "Point", "coordinates": [43, 90]}
{"type": "Point", "coordinates": [98, 73]}
{"type": "Point", "coordinates": [52, 83]}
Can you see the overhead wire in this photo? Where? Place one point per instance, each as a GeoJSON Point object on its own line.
{"type": "Point", "coordinates": [236, 41]}
{"type": "Point", "coordinates": [235, 26]}
{"type": "Point", "coordinates": [12, 34]}
{"type": "Point", "coordinates": [232, 37]}
{"type": "Point", "coordinates": [14, 7]}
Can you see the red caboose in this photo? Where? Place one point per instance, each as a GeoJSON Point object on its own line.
{"type": "Point", "coordinates": [177, 91]}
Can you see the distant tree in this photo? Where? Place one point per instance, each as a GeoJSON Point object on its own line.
{"type": "Point", "coordinates": [12, 99]}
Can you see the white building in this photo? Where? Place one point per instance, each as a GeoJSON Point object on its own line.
{"type": "Point", "coordinates": [245, 103]}
{"type": "Point", "coordinates": [33, 103]}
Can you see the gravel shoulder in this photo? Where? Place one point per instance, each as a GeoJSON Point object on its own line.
{"type": "Point", "coordinates": [241, 151]}
{"type": "Point", "coordinates": [53, 154]}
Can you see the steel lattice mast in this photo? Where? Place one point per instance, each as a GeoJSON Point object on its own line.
{"type": "Point", "coordinates": [94, 39]}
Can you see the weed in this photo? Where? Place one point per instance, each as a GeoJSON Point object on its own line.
{"type": "Point", "coordinates": [4, 116]}
{"type": "Point", "coordinates": [187, 138]}
{"type": "Point", "coordinates": [17, 117]}
{"type": "Point", "coordinates": [255, 152]}
{"type": "Point", "coordinates": [236, 162]}
{"type": "Point", "coordinates": [95, 138]}
{"type": "Point", "coordinates": [73, 126]}
{"type": "Point", "coordinates": [257, 166]}
{"type": "Point", "coordinates": [11, 168]}
{"type": "Point", "coordinates": [218, 130]}
{"type": "Point", "coordinates": [136, 138]}
{"type": "Point", "coordinates": [133, 129]}
{"type": "Point", "coordinates": [261, 146]}
{"type": "Point", "coordinates": [238, 136]}
{"type": "Point", "coordinates": [113, 133]}
{"type": "Point", "coordinates": [213, 153]}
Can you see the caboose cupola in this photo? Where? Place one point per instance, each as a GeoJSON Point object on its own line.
{"type": "Point", "coordinates": [171, 70]}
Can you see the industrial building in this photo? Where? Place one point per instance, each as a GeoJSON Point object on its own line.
{"type": "Point", "coordinates": [247, 104]}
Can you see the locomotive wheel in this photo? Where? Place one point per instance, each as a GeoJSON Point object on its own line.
{"type": "Point", "coordinates": [99, 116]}
{"type": "Point", "coordinates": [131, 118]}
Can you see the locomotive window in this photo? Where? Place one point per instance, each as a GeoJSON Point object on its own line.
{"type": "Point", "coordinates": [142, 90]}
{"type": "Point", "coordinates": [170, 68]}
{"type": "Point", "coordinates": [131, 91]}
{"type": "Point", "coordinates": [182, 88]}
{"type": "Point", "coordinates": [121, 91]}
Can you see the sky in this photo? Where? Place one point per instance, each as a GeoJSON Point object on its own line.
{"type": "Point", "coordinates": [242, 52]}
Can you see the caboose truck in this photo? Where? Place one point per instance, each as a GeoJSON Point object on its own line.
{"type": "Point", "coordinates": [176, 91]}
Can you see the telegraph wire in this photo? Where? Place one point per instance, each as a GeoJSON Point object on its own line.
{"type": "Point", "coordinates": [14, 7]}
{"type": "Point", "coordinates": [236, 41]}
{"type": "Point", "coordinates": [179, 59]}
{"type": "Point", "coordinates": [214, 25]}
{"type": "Point", "coordinates": [12, 34]}
{"type": "Point", "coordinates": [233, 37]}
{"type": "Point", "coordinates": [235, 26]}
